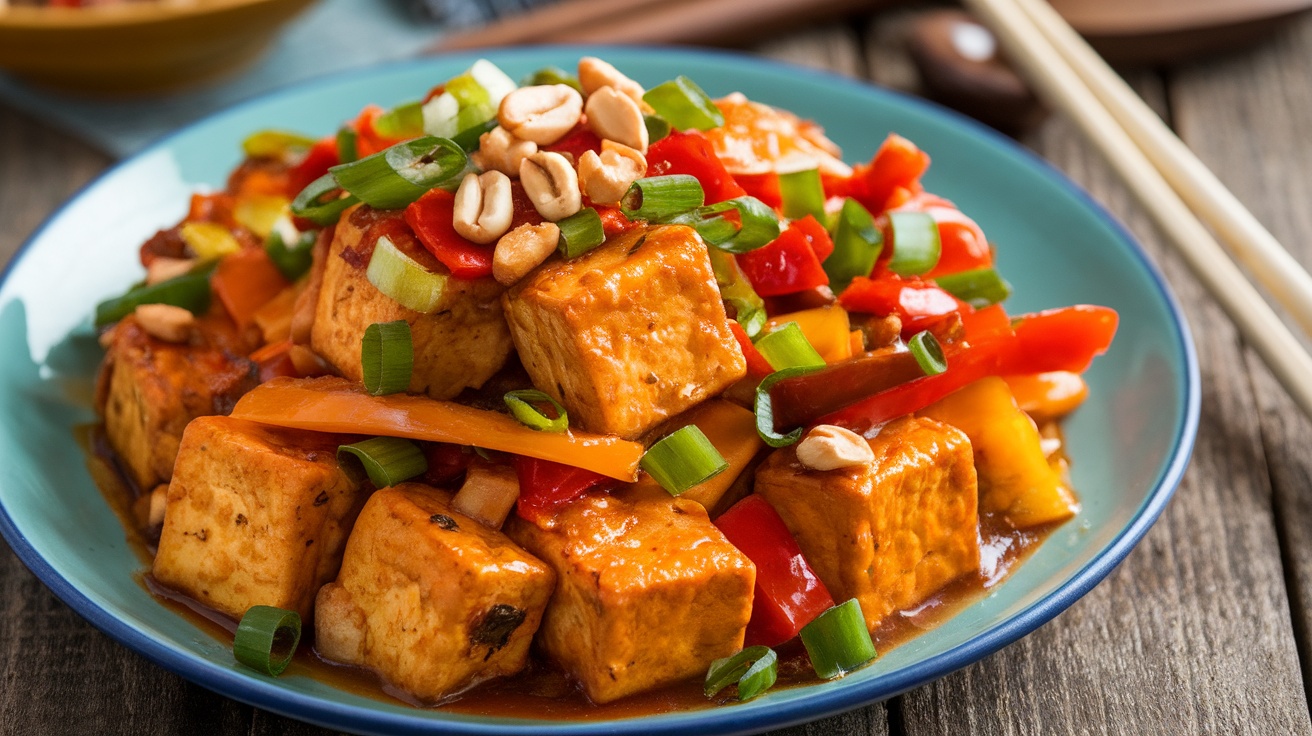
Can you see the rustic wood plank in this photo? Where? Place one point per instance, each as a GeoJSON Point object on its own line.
{"type": "Point", "coordinates": [1192, 633]}
{"type": "Point", "coordinates": [1265, 95]}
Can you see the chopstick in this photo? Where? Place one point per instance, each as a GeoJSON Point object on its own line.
{"type": "Point", "coordinates": [1064, 80]}
{"type": "Point", "coordinates": [652, 21]}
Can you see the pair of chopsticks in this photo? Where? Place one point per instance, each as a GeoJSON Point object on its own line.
{"type": "Point", "coordinates": [652, 21]}
{"type": "Point", "coordinates": [1174, 187]}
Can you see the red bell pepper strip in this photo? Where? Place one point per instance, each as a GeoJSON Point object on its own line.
{"type": "Point", "coordinates": [613, 221]}
{"type": "Point", "coordinates": [764, 187]}
{"type": "Point", "coordinates": [788, 594]}
{"type": "Point", "coordinates": [576, 142]}
{"type": "Point", "coordinates": [791, 263]}
{"type": "Point", "coordinates": [757, 366]}
{"type": "Point", "coordinates": [368, 140]}
{"type": "Point", "coordinates": [1064, 339]}
{"type": "Point", "coordinates": [897, 164]}
{"type": "Point", "coordinates": [321, 156]}
{"type": "Point", "coordinates": [919, 304]}
{"type": "Point", "coordinates": [275, 360]}
{"type": "Point", "coordinates": [446, 462]}
{"type": "Point", "coordinates": [431, 218]}
{"type": "Point", "coordinates": [979, 322]}
{"type": "Point", "coordinates": [545, 486]}
{"type": "Point", "coordinates": [692, 153]}
{"type": "Point", "coordinates": [963, 245]}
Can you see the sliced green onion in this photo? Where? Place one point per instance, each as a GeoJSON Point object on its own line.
{"type": "Point", "coordinates": [838, 640]}
{"type": "Point", "coordinates": [803, 194]}
{"type": "Point", "coordinates": [916, 246]}
{"type": "Point", "coordinates": [684, 105]}
{"type": "Point", "coordinates": [928, 353]}
{"type": "Point", "coordinates": [979, 288]}
{"type": "Point", "coordinates": [657, 198]}
{"type": "Point", "coordinates": [387, 460]}
{"type": "Point", "coordinates": [402, 278]}
{"type": "Point", "coordinates": [754, 669]}
{"type": "Point", "coordinates": [738, 292]}
{"type": "Point", "coordinates": [765, 409]}
{"type": "Point", "coordinates": [682, 459]}
{"type": "Point", "coordinates": [292, 260]}
{"type": "Point", "coordinates": [657, 127]}
{"type": "Point", "coordinates": [787, 347]}
{"type": "Point", "coordinates": [321, 202]}
{"type": "Point", "coordinates": [348, 149]}
{"type": "Point", "coordinates": [402, 121]}
{"type": "Point", "coordinates": [397, 176]}
{"type": "Point", "coordinates": [857, 243]}
{"type": "Point", "coordinates": [521, 405]}
{"type": "Point", "coordinates": [757, 224]}
{"type": "Point", "coordinates": [467, 99]}
{"type": "Point", "coordinates": [552, 75]}
{"type": "Point", "coordinates": [387, 357]}
{"type": "Point", "coordinates": [580, 232]}
{"type": "Point", "coordinates": [267, 638]}
{"type": "Point", "coordinates": [468, 139]}
{"type": "Point", "coordinates": [278, 144]}
{"type": "Point", "coordinates": [191, 291]}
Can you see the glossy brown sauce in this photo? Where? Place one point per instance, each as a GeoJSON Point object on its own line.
{"type": "Point", "coordinates": [543, 690]}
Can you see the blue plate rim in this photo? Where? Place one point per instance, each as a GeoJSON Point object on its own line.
{"type": "Point", "coordinates": [267, 695]}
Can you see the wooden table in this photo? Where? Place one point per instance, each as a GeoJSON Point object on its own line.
{"type": "Point", "coordinates": [1205, 627]}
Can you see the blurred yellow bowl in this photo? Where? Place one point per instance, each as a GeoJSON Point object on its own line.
{"type": "Point", "coordinates": [139, 46]}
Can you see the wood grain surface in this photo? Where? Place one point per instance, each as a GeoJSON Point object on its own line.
{"type": "Point", "coordinates": [1203, 629]}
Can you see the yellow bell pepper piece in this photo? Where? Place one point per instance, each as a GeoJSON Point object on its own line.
{"type": "Point", "coordinates": [208, 240]}
{"type": "Point", "coordinates": [1015, 479]}
{"type": "Point", "coordinates": [826, 328]}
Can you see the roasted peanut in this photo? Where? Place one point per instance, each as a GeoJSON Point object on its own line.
{"type": "Point", "coordinates": [499, 150]}
{"type": "Point", "coordinates": [615, 117]}
{"type": "Point", "coordinates": [827, 447]}
{"type": "Point", "coordinates": [483, 207]}
{"type": "Point", "coordinates": [166, 322]}
{"type": "Point", "coordinates": [163, 269]}
{"type": "Point", "coordinates": [522, 249]}
{"type": "Point", "coordinates": [551, 184]}
{"type": "Point", "coordinates": [542, 114]}
{"type": "Point", "coordinates": [595, 74]}
{"type": "Point", "coordinates": [606, 177]}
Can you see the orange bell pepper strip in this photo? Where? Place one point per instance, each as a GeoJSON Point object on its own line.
{"type": "Point", "coordinates": [332, 404]}
{"type": "Point", "coordinates": [244, 282]}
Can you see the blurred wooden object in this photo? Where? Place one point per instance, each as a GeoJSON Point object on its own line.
{"type": "Point", "coordinates": [707, 22]}
{"type": "Point", "coordinates": [1164, 31]}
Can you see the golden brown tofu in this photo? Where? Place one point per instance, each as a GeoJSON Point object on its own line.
{"type": "Point", "coordinates": [649, 591]}
{"type": "Point", "coordinates": [256, 516]}
{"type": "Point", "coordinates": [890, 534]}
{"type": "Point", "coordinates": [459, 346]}
{"type": "Point", "coordinates": [432, 600]}
{"type": "Point", "coordinates": [628, 335]}
{"type": "Point", "coordinates": [1016, 481]}
{"type": "Point", "coordinates": [151, 389]}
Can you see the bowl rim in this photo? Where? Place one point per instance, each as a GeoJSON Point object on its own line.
{"type": "Point", "coordinates": [266, 694]}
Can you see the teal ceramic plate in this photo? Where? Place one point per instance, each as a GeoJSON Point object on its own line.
{"type": "Point", "coordinates": [1129, 444]}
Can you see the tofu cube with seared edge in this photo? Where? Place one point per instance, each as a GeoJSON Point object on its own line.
{"type": "Point", "coordinates": [628, 335]}
{"type": "Point", "coordinates": [461, 344]}
{"type": "Point", "coordinates": [649, 591]}
{"type": "Point", "coordinates": [150, 389]}
{"type": "Point", "coordinates": [256, 515]}
{"type": "Point", "coordinates": [432, 600]}
{"type": "Point", "coordinates": [892, 533]}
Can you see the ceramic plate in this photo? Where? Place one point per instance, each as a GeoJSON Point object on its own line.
{"type": "Point", "coordinates": [1129, 444]}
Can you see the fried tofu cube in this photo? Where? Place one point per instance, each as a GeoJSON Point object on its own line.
{"type": "Point", "coordinates": [1016, 481]}
{"type": "Point", "coordinates": [151, 389]}
{"type": "Point", "coordinates": [649, 591]}
{"type": "Point", "coordinates": [256, 515]}
{"type": "Point", "coordinates": [890, 534]}
{"type": "Point", "coordinates": [461, 345]}
{"type": "Point", "coordinates": [432, 600]}
{"type": "Point", "coordinates": [629, 334]}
